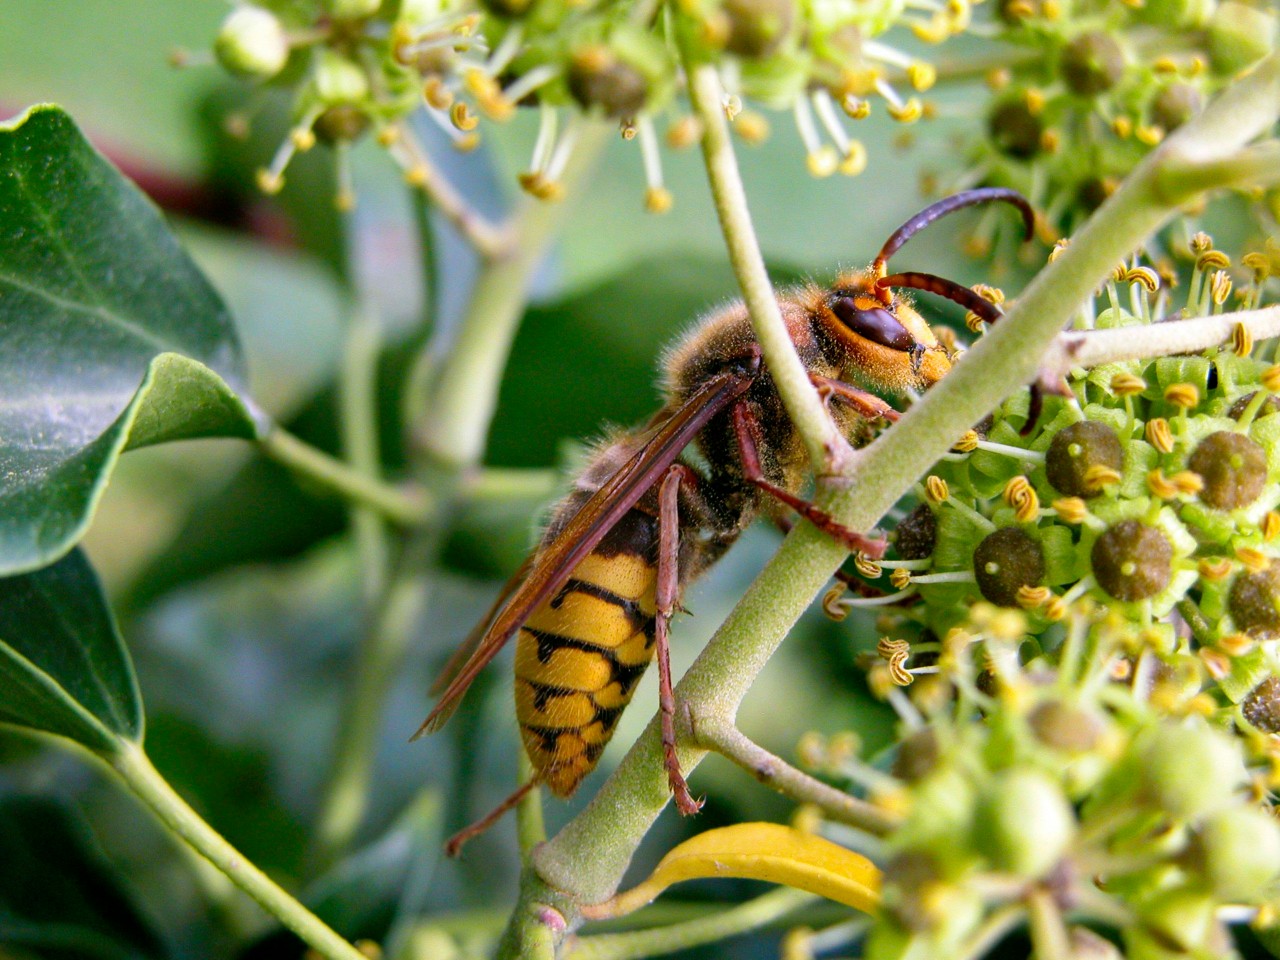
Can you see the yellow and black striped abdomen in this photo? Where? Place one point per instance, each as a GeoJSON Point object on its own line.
{"type": "Point", "coordinates": [580, 655]}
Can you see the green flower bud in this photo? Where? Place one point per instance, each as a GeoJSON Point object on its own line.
{"type": "Point", "coordinates": [597, 78]}
{"type": "Point", "coordinates": [1175, 105]}
{"type": "Point", "coordinates": [1066, 726]}
{"type": "Point", "coordinates": [1023, 823]}
{"type": "Point", "coordinates": [1175, 14]}
{"type": "Point", "coordinates": [339, 80]}
{"type": "Point", "coordinates": [917, 533]}
{"type": "Point", "coordinates": [1233, 467]}
{"type": "Point", "coordinates": [419, 11]}
{"type": "Point", "coordinates": [1239, 853]}
{"type": "Point", "coordinates": [1177, 924]}
{"type": "Point", "coordinates": [1014, 129]}
{"type": "Point", "coordinates": [917, 756]}
{"type": "Point", "coordinates": [1261, 705]}
{"type": "Point", "coordinates": [1092, 63]}
{"type": "Point", "coordinates": [1132, 561]}
{"type": "Point", "coordinates": [1077, 452]}
{"type": "Point", "coordinates": [757, 28]}
{"type": "Point", "coordinates": [1254, 603]}
{"type": "Point", "coordinates": [1240, 35]}
{"type": "Point", "coordinates": [252, 43]}
{"type": "Point", "coordinates": [1191, 770]}
{"type": "Point", "coordinates": [353, 9]}
{"type": "Point", "coordinates": [1006, 561]}
{"type": "Point", "coordinates": [1094, 190]}
{"type": "Point", "coordinates": [1269, 406]}
{"type": "Point", "coordinates": [341, 124]}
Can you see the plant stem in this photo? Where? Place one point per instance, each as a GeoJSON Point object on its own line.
{"type": "Point", "coordinates": [655, 941]}
{"type": "Point", "coordinates": [828, 450]}
{"type": "Point", "coordinates": [1048, 931]}
{"type": "Point", "coordinates": [404, 506]}
{"type": "Point", "coordinates": [377, 660]}
{"type": "Point", "coordinates": [1092, 348]}
{"type": "Point", "coordinates": [531, 829]}
{"type": "Point", "coordinates": [720, 735]}
{"type": "Point", "coordinates": [1258, 165]}
{"type": "Point", "coordinates": [451, 429]}
{"type": "Point", "coordinates": [491, 242]}
{"type": "Point", "coordinates": [585, 861]}
{"type": "Point", "coordinates": [135, 768]}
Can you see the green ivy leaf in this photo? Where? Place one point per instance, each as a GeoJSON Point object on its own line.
{"type": "Point", "coordinates": [63, 667]}
{"type": "Point", "coordinates": [112, 337]}
{"type": "Point", "coordinates": [58, 895]}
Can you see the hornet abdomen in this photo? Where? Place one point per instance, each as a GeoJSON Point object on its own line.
{"type": "Point", "coordinates": [580, 655]}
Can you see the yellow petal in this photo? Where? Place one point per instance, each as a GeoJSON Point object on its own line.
{"type": "Point", "coordinates": [758, 851]}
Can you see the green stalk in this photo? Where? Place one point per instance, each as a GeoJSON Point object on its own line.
{"type": "Point", "coordinates": [828, 450]}
{"type": "Point", "coordinates": [450, 431]}
{"type": "Point", "coordinates": [135, 768]}
{"type": "Point", "coordinates": [585, 862]}
{"type": "Point", "coordinates": [655, 941]}
{"type": "Point", "coordinates": [406, 506]}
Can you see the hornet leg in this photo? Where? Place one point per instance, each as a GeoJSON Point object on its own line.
{"type": "Point", "coordinates": [744, 425]}
{"type": "Point", "coordinates": [866, 404]}
{"type": "Point", "coordinates": [454, 844]}
{"type": "Point", "coordinates": [668, 589]}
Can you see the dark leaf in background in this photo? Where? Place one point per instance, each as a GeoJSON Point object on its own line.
{"type": "Point", "coordinates": [111, 337]}
{"type": "Point", "coordinates": [59, 897]}
{"type": "Point", "coordinates": [63, 667]}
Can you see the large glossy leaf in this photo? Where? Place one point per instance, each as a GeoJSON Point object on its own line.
{"type": "Point", "coordinates": [63, 667]}
{"type": "Point", "coordinates": [109, 337]}
{"type": "Point", "coordinates": [58, 896]}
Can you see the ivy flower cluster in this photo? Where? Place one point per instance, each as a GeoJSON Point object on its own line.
{"type": "Point", "coordinates": [1055, 796]}
{"type": "Point", "coordinates": [365, 65]}
{"type": "Point", "coordinates": [1105, 83]}
{"type": "Point", "coordinates": [1082, 648]}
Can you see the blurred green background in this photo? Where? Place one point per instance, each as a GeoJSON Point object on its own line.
{"type": "Point", "coordinates": [238, 589]}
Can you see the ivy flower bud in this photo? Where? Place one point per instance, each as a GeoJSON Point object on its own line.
{"type": "Point", "coordinates": [1239, 853]}
{"type": "Point", "coordinates": [1175, 105]}
{"type": "Point", "coordinates": [1005, 562]}
{"type": "Point", "coordinates": [1076, 452]}
{"type": "Point", "coordinates": [1015, 129]}
{"type": "Point", "coordinates": [1233, 467]}
{"type": "Point", "coordinates": [1092, 63]}
{"type": "Point", "coordinates": [1023, 823]}
{"type": "Point", "coordinates": [339, 80]}
{"type": "Point", "coordinates": [1191, 770]}
{"type": "Point", "coordinates": [1132, 561]}
{"type": "Point", "coordinates": [353, 9]}
{"type": "Point", "coordinates": [757, 28]}
{"type": "Point", "coordinates": [252, 43]}
{"type": "Point", "coordinates": [597, 78]}
{"type": "Point", "coordinates": [1254, 603]}
{"type": "Point", "coordinates": [1261, 706]}
{"type": "Point", "coordinates": [1240, 35]}
{"type": "Point", "coordinates": [917, 533]}
{"type": "Point", "coordinates": [1067, 727]}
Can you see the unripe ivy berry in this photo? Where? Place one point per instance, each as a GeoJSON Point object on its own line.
{"type": "Point", "coordinates": [1006, 561]}
{"type": "Point", "coordinates": [1254, 603]}
{"type": "Point", "coordinates": [917, 755]}
{"type": "Point", "coordinates": [1075, 451]}
{"type": "Point", "coordinates": [1261, 706]}
{"type": "Point", "coordinates": [1092, 63]}
{"type": "Point", "coordinates": [1023, 823]}
{"type": "Point", "coordinates": [1239, 35]}
{"type": "Point", "coordinates": [1233, 468]}
{"type": "Point", "coordinates": [252, 43]}
{"type": "Point", "coordinates": [1132, 561]}
{"type": "Point", "coordinates": [917, 533]}
{"type": "Point", "coordinates": [341, 124]}
{"type": "Point", "coordinates": [1175, 105]}
{"type": "Point", "coordinates": [1191, 770]}
{"type": "Point", "coordinates": [1015, 130]}
{"type": "Point", "coordinates": [597, 78]}
{"type": "Point", "coordinates": [1066, 727]}
{"type": "Point", "coordinates": [339, 80]}
{"type": "Point", "coordinates": [1239, 853]}
{"type": "Point", "coordinates": [757, 28]}
{"type": "Point", "coordinates": [1269, 406]}
{"type": "Point", "coordinates": [353, 9]}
